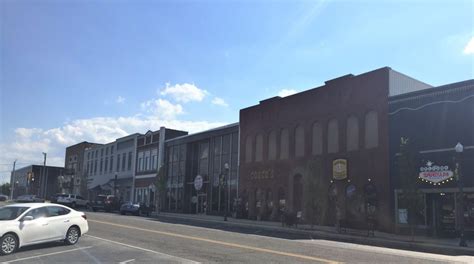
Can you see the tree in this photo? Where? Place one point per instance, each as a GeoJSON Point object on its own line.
{"type": "Point", "coordinates": [407, 168]}
{"type": "Point", "coordinates": [5, 188]}
{"type": "Point", "coordinates": [160, 188]}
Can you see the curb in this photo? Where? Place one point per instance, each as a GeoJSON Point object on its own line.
{"type": "Point", "coordinates": [371, 241]}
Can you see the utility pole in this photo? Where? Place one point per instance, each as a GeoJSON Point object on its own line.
{"type": "Point", "coordinates": [45, 178]}
{"type": "Point", "coordinates": [12, 182]}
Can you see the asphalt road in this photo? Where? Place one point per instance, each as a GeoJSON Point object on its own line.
{"type": "Point", "coordinates": [113, 238]}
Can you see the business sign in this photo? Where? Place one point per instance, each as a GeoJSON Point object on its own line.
{"type": "Point", "coordinates": [198, 182]}
{"type": "Point", "coordinates": [339, 169]}
{"type": "Point", "coordinates": [435, 174]}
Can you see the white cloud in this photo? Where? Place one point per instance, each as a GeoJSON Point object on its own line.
{"type": "Point", "coordinates": [469, 48]}
{"type": "Point", "coordinates": [162, 108]}
{"type": "Point", "coordinates": [286, 92]}
{"type": "Point", "coordinates": [219, 101]}
{"type": "Point", "coordinates": [184, 92]}
{"type": "Point", "coordinates": [120, 100]}
{"type": "Point", "coordinates": [28, 143]}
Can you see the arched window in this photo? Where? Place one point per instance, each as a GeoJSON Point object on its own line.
{"type": "Point", "coordinates": [371, 130]}
{"type": "Point", "coordinates": [248, 149]}
{"type": "Point", "coordinates": [299, 141]}
{"type": "Point", "coordinates": [272, 143]}
{"type": "Point", "coordinates": [333, 136]}
{"type": "Point", "coordinates": [352, 133]}
{"type": "Point", "coordinates": [259, 148]}
{"type": "Point", "coordinates": [317, 139]}
{"type": "Point", "coordinates": [284, 142]}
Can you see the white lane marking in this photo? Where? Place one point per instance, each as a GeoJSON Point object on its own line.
{"type": "Point", "coordinates": [48, 254]}
{"type": "Point", "coordinates": [127, 261]}
{"type": "Point", "coordinates": [182, 260]}
{"type": "Point", "coordinates": [326, 243]}
{"type": "Point", "coordinates": [389, 251]}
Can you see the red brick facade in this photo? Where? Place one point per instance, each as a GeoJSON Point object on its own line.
{"type": "Point", "coordinates": [265, 182]}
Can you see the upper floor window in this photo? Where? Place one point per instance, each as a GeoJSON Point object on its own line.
{"type": "Point", "coordinates": [272, 146]}
{"type": "Point", "coordinates": [371, 130]}
{"type": "Point", "coordinates": [352, 133]}
{"type": "Point", "coordinates": [259, 148]}
{"type": "Point", "coordinates": [299, 141]}
{"type": "Point", "coordinates": [317, 139]}
{"type": "Point", "coordinates": [284, 144]}
{"type": "Point", "coordinates": [333, 136]}
{"type": "Point", "coordinates": [248, 149]}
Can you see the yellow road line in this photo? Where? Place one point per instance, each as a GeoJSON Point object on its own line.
{"type": "Point", "coordinates": [287, 254]}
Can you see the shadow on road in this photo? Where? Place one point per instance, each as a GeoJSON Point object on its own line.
{"type": "Point", "coordinates": [233, 228]}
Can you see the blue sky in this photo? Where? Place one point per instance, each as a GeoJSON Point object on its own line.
{"type": "Point", "coordinates": [96, 70]}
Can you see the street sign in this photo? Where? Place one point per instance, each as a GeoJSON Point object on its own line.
{"type": "Point", "coordinates": [198, 183]}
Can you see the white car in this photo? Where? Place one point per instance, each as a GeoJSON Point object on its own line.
{"type": "Point", "coordinates": [72, 200]}
{"type": "Point", "coordinates": [34, 223]}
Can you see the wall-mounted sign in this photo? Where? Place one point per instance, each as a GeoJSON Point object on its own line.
{"type": "Point", "coordinates": [198, 182]}
{"type": "Point", "coordinates": [339, 169]}
{"type": "Point", "coordinates": [261, 175]}
{"type": "Point", "coordinates": [435, 174]}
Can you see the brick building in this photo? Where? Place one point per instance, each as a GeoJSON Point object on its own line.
{"type": "Point", "coordinates": [75, 178]}
{"type": "Point", "coordinates": [315, 152]}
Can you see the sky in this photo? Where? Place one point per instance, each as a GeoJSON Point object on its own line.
{"type": "Point", "coordinates": [73, 71]}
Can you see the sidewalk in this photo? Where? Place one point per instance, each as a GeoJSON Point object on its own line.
{"type": "Point", "coordinates": [448, 246]}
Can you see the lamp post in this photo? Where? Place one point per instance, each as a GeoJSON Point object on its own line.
{"type": "Point", "coordinates": [115, 185]}
{"type": "Point", "coordinates": [459, 149]}
{"type": "Point", "coordinates": [226, 192]}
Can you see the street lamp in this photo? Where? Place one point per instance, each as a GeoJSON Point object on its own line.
{"type": "Point", "coordinates": [226, 194]}
{"type": "Point", "coordinates": [115, 185]}
{"type": "Point", "coordinates": [459, 149]}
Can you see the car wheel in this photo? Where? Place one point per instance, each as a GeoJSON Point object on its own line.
{"type": "Point", "coordinates": [72, 235]}
{"type": "Point", "coordinates": [8, 243]}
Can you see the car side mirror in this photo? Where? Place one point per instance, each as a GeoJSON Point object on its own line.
{"type": "Point", "coordinates": [27, 218]}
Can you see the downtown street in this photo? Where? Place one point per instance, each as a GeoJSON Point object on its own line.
{"type": "Point", "coordinates": [114, 238]}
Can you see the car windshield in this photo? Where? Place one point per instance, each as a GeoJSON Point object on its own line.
{"type": "Point", "coordinates": [11, 212]}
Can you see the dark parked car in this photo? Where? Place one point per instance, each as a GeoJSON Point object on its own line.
{"type": "Point", "coordinates": [29, 198]}
{"type": "Point", "coordinates": [135, 209]}
{"type": "Point", "coordinates": [107, 203]}
{"type": "Point", "coordinates": [3, 197]}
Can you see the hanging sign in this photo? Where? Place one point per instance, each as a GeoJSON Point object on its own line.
{"type": "Point", "coordinates": [435, 174]}
{"type": "Point", "coordinates": [198, 182]}
{"type": "Point", "coordinates": [339, 169]}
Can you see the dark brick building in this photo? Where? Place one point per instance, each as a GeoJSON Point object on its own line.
{"type": "Point", "coordinates": [316, 151]}
{"type": "Point", "coordinates": [38, 180]}
{"type": "Point", "coordinates": [432, 122]}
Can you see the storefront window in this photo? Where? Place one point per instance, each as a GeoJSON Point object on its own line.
{"type": "Point", "coordinates": [411, 209]}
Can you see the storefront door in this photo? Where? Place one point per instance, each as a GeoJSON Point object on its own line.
{"type": "Point", "coordinates": [201, 206]}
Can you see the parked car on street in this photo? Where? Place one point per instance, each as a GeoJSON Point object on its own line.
{"type": "Point", "coordinates": [29, 198]}
{"type": "Point", "coordinates": [34, 223]}
{"type": "Point", "coordinates": [107, 203]}
{"type": "Point", "coordinates": [54, 198]}
{"type": "Point", "coordinates": [72, 200]}
{"type": "Point", "coordinates": [135, 209]}
{"type": "Point", "coordinates": [3, 197]}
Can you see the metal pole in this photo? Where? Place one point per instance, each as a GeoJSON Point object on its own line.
{"type": "Point", "coordinates": [462, 240]}
{"type": "Point", "coordinates": [12, 182]}
{"type": "Point", "coordinates": [45, 178]}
